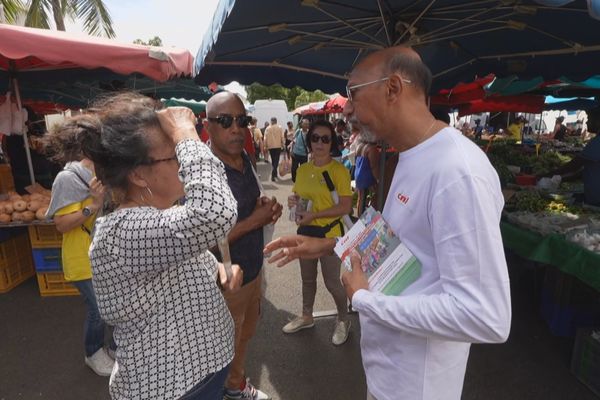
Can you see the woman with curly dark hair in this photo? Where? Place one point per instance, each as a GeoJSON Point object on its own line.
{"type": "Point", "coordinates": [153, 276]}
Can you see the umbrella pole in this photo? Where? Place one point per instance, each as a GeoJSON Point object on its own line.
{"type": "Point", "coordinates": [25, 137]}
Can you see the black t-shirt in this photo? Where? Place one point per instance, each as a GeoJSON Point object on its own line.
{"type": "Point", "coordinates": [247, 250]}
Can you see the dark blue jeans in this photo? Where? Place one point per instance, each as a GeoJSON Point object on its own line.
{"type": "Point", "coordinates": [94, 326]}
{"type": "Point", "coordinates": [210, 388]}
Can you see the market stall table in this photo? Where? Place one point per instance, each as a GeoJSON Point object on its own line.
{"type": "Point", "coordinates": [553, 250]}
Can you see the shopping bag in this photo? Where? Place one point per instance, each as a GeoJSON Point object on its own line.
{"type": "Point", "coordinates": [285, 166]}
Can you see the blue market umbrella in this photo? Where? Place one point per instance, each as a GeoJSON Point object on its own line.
{"type": "Point", "coordinates": [315, 43]}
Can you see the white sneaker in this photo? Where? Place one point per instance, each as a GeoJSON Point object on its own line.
{"type": "Point", "coordinates": [297, 324]}
{"type": "Point", "coordinates": [100, 362]}
{"type": "Point", "coordinates": [340, 332]}
{"type": "Point", "coordinates": [249, 393]}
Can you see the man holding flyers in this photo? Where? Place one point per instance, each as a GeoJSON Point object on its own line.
{"type": "Point", "coordinates": [416, 345]}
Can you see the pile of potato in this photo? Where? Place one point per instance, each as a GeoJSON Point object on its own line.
{"type": "Point", "coordinates": [26, 208]}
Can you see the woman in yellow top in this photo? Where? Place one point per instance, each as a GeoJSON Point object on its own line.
{"type": "Point", "coordinates": [323, 219]}
{"type": "Point", "coordinates": [77, 196]}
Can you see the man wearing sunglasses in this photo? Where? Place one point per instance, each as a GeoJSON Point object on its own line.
{"type": "Point", "coordinates": [227, 127]}
{"type": "Point", "coordinates": [445, 204]}
{"type": "Point", "coordinates": [275, 142]}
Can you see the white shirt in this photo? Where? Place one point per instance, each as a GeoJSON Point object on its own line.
{"type": "Point", "coordinates": [444, 203]}
{"type": "Point", "coordinates": [155, 282]}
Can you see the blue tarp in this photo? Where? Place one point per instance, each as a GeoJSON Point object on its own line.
{"type": "Point", "coordinates": [314, 44]}
{"type": "Point", "coordinates": [82, 86]}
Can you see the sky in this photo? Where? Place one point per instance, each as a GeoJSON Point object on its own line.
{"type": "Point", "coordinates": [179, 23]}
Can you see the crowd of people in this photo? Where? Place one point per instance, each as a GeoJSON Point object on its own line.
{"type": "Point", "coordinates": [151, 201]}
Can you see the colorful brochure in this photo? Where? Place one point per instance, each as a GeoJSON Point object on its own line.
{"type": "Point", "coordinates": [390, 266]}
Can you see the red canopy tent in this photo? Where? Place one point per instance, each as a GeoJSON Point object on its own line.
{"type": "Point", "coordinates": [335, 104]}
{"type": "Point", "coordinates": [29, 50]}
{"type": "Point", "coordinates": [462, 92]}
{"type": "Point", "coordinates": [524, 102]}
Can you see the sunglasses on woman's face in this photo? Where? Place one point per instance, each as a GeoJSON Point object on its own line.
{"type": "Point", "coordinates": [227, 120]}
{"type": "Point", "coordinates": [323, 139]}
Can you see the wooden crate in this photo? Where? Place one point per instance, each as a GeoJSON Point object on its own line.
{"type": "Point", "coordinates": [44, 237]}
{"type": "Point", "coordinates": [16, 263]}
{"type": "Point", "coordinates": [7, 182]}
{"type": "Point", "coordinates": [54, 284]}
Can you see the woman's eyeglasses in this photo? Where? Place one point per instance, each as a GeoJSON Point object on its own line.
{"type": "Point", "coordinates": [157, 161]}
{"type": "Point", "coordinates": [323, 139]}
{"type": "Point", "coordinates": [227, 120]}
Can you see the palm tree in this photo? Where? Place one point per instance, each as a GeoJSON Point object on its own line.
{"type": "Point", "coordinates": [10, 10]}
{"type": "Point", "coordinates": [94, 13]}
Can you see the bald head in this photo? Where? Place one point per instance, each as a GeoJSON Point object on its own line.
{"type": "Point", "coordinates": [401, 60]}
{"type": "Point", "coordinates": [215, 104]}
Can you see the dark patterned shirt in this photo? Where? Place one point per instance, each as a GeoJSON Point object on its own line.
{"type": "Point", "coordinates": [155, 282]}
{"type": "Point", "coordinates": [247, 251]}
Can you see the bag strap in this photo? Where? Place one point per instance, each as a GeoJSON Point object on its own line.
{"type": "Point", "coordinates": [87, 185]}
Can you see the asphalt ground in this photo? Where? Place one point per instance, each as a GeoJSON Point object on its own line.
{"type": "Point", "coordinates": [41, 345]}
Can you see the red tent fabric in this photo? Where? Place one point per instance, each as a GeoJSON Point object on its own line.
{"type": "Point", "coordinates": [462, 93]}
{"type": "Point", "coordinates": [29, 49]}
{"type": "Point", "coordinates": [523, 103]}
{"type": "Point", "coordinates": [335, 104]}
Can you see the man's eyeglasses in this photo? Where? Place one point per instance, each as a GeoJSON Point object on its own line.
{"type": "Point", "coordinates": [227, 120]}
{"type": "Point", "coordinates": [323, 139]}
{"type": "Point", "coordinates": [349, 89]}
{"type": "Point", "coordinates": [157, 161]}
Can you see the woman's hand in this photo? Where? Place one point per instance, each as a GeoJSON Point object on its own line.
{"type": "Point", "coordinates": [178, 123]}
{"type": "Point", "coordinates": [304, 217]}
{"type": "Point", "coordinates": [97, 191]}
{"type": "Point", "coordinates": [237, 277]}
{"type": "Point", "coordinates": [298, 246]}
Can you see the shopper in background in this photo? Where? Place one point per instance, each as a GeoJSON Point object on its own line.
{"type": "Point", "coordinates": [340, 135]}
{"type": "Point", "coordinates": [77, 199]}
{"type": "Point", "coordinates": [299, 147]}
{"type": "Point", "coordinates": [257, 137]}
{"type": "Point", "coordinates": [275, 142]}
{"type": "Point", "coordinates": [560, 130]}
{"type": "Point", "coordinates": [153, 275]}
{"type": "Point", "coordinates": [289, 136]}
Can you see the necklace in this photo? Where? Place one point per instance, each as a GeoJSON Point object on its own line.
{"type": "Point", "coordinates": [428, 129]}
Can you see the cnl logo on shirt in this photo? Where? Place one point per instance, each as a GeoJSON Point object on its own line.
{"type": "Point", "coordinates": [402, 198]}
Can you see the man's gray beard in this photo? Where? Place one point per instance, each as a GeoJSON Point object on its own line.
{"type": "Point", "coordinates": [367, 136]}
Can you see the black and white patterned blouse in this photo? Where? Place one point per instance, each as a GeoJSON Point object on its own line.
{"type": "Point", "coordinates": [155, 281]}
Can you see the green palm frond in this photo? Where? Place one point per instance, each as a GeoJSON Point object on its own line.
{"type": "Point", "coordinates": [95, 16]}
{"type": "Point", "coordinates": [12, 9]}
{"type": "Point", "coordinates": [69, 8]}
{"type": "Point", "coordinates": [38, 13]}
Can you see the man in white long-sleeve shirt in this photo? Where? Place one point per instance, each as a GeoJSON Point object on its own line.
{"type": "Point", "coordinates": [444, 204]}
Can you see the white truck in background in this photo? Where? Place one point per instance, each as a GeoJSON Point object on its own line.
{"type": "Point", "coordinates": [263, 110]}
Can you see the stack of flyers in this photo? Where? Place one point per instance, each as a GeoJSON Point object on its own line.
{"type": "Point", "coordinates": [389, 265]}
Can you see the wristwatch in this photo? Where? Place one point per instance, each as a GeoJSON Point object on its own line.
{"type": "Point", "coordinates": [86, 211]}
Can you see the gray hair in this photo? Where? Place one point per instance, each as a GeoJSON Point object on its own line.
{"type": "Point", "coordinates": [411, 68]}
